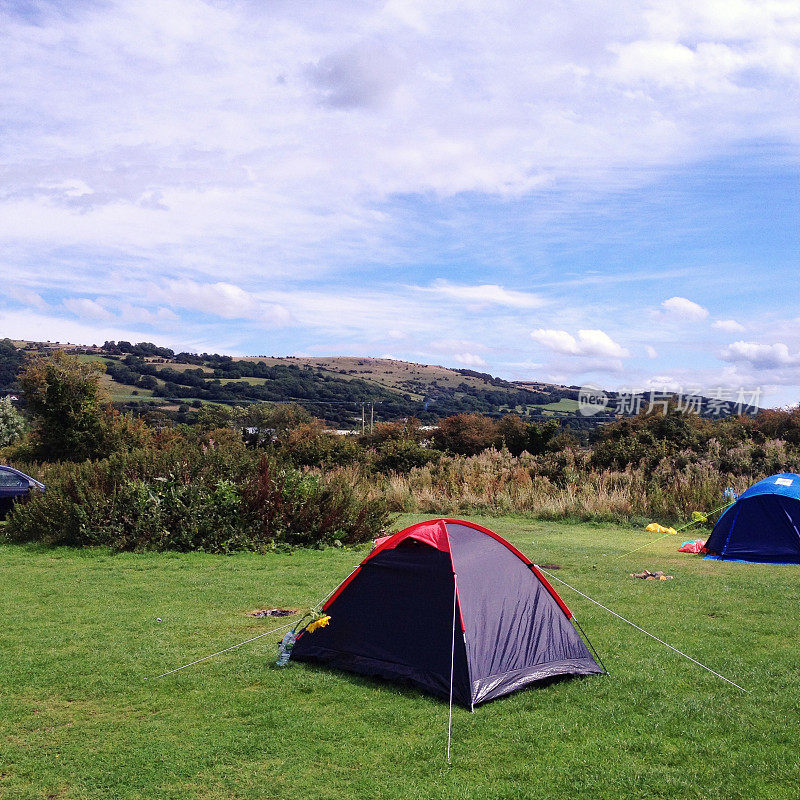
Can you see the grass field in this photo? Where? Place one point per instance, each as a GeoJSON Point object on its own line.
{"type": "Point", "coordinates": [80, 635]}
{"type": "Point", "coordinates": [565, 405]}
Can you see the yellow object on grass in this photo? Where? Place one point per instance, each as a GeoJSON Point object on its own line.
{"type": "Point", "coordinates": [322, 622]}
{"type": "Point", "coordinates": [654, 527]}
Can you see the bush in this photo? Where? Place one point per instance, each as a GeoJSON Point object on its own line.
{"type": "Point", "coordinates": [309, 445]}
{"type": "Point", "coordinates": [12, 423]}
{"type": "Point", "coordinates": [465, 434]}
{"type": "Point", "coordinates": [299, 508]}
{"type": "Point", "coordinates": [212, 495]}
{"type": "Point", "coordinates": [403, 455]}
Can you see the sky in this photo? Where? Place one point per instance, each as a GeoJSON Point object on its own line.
{"type": "Point", "coordinates": [583, 192]}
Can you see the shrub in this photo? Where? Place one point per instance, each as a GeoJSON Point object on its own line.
{"type": "Point", "coordinates": [309, 445]}
{"type": "Point", "coordinates": [211, 495]}
{"type": "Point", "coordinates": [403, 455]}
{"type": "Point", "coordinates": [465, 434]}
{"type": "Point", "coordinates": [12, 423]}
{"type": "Point", "coordinates": [303, 509]}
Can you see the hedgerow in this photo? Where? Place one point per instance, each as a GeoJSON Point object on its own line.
{"type": "Point", "coordinates": [212, 494]}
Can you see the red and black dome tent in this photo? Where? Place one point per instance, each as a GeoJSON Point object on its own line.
{"type": "Point", "coordinates": [396, 614]}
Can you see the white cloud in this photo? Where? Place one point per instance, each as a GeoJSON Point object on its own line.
{"type": "Point", "coordinates": [364, 75]}
{"type": "Point", "coordinates": [137, 314]}
{"type": "Point", "coordinates": [558, 341]}
{"type": "Point", "coordinates": [222, 299]}
{"type": "Point", "coordinates": [25, 296]}
{"type": "Point", "coordinates": [23, 324]}
{"type": "Point", "coordinates": [685, 309]}
{"type": "Point", "coordinates": [247, 125]}
{"type": "Point", "coordinates": [651, 351]}
{"type": "Point", "coordinates": [659, 383]}
{"type": "Point", "coordinates": [469, 359]}
{"type": "Point", "coordinates": [219, 299]}
{"type": "Point", "coordinates": [587, 343]}
{"type": "Point", "coordinates": [728, 325]}
{"type": "Point", "coordinates": [484, 295]}
{"type": "Point", "coordinates": [761, 356]}
{"type": "Point", "coordinates": [450, 346]}
{"type": "Point", "coordinates": [236, 155]}
{"type": "Point", "coordinates": [85, 308]}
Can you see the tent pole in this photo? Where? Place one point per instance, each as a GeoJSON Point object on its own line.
{"type": "Point", "coordinates": [589, 642]}
{"type": "Point", "coordinates": [452, 664]}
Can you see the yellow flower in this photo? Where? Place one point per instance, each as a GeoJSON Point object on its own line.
{"type": "Point", "coordinates": [322, 622]}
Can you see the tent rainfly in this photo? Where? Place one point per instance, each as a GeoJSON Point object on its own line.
{"type": "Point", "coordinates": [452, 608]}
{"type": "Point", "coordinates": [763, 525]}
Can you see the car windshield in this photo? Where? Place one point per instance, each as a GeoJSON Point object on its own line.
{"type": "Point", "coordinates": [11, 479]}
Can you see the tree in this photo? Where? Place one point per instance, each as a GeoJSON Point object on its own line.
{"type": "Point", "coordinates": [465, 434]}
{"type": "Point", "coordinates": [512, 431]}
{"type": "Point", "coordinates": [268, 422]}
{"type": "Point", "coordinates": [11, 360]}
{"type": "Point", "coordinates": [212, 416]}
{"type": "Point", "coordinates": [147, 382]}
{"type": "Point", "coordinates": [540, 435]}
{"type": "Point", "coordinates": [12, 423]}
{"type": "Point", "coordinates": [73, 417]}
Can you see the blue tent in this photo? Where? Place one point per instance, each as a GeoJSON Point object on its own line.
{"type": "Point", "coordinates": [763, 525]}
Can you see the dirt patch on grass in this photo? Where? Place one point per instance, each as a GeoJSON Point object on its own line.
{"type": "Point", "coordinates": [273, 612]}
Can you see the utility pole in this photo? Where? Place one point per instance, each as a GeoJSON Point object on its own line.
{"type": "Point", "coordinates": [372, 417]}
{"type": "Point", "coordinates": [362, 419]}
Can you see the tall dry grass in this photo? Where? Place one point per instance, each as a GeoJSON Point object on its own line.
{"type": "Point", "coordinates": [555, 486]}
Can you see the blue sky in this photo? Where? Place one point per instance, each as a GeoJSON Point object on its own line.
{"type": "Point", "coordinates": [600, 192]}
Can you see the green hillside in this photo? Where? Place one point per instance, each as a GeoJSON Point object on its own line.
{"type": "Point", "coordinates": [333, 388]}
{"type": "Point", "coordinates": [338, 389]}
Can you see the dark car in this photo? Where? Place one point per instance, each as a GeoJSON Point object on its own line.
{"type": "Point", "coordinates": [15, 485]}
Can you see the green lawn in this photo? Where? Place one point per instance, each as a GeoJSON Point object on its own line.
{"type": "Point", "coordinates": [79, 636]}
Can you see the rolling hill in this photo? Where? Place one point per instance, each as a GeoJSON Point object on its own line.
{"type": "Point", "coordinates": [342, 390]}
{"type": "Point", "coordinates": [333, 388]}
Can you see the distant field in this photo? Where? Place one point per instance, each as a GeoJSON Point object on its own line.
{"type": "Point", "coordinates": [121, 393]}
{"type": "Point", "coordinates": [565, 405]}
{"type": "Point", "coordinates": [251, 381]}
{"type": "Point", "coordinates": [78, 720]}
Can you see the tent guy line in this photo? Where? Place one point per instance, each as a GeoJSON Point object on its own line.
{"type": "Point", "coordinates": [589, 642]}
{"type": "Point", "coordinates": [219, 652]}
{"type": "Point", "coordinates": [678, 530]}
{"type": "Point", "coordinates": [638, 628]}
{"type": "Point", "coordinates": [260, 635]}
